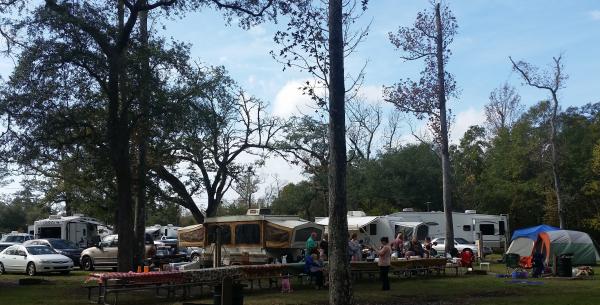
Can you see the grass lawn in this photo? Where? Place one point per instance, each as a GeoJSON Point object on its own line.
{"type": "Point", "coordinates": [480, 289]}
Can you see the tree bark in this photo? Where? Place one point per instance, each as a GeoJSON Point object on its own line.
{"type": "Point", "coordinates": [561, 210]}
{"type": "Point", "coordinates": [140, 208]}
{"type": "Point", "coordinates": [118, 134]}
{"type": "Point", "coordinates": [441, 93]}
{"type": "Point", "coordinates": [340, 291]}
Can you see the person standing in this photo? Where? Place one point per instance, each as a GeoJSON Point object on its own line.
{"type": "Point", "coordinates": [354, 248]}
{"type": "Point", "coordinates": [385, 257]}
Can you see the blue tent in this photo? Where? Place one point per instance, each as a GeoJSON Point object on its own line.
{"type": "Point", "coordinates": [532, 233]}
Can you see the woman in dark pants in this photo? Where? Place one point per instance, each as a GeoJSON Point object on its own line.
{"type": "Point", "coordinates": [385, 257]}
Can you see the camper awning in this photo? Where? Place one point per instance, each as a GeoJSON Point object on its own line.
{"type": "Point", "coordinates": [354, 223]}
{"type": "Point", "coordinates": [410, 224]}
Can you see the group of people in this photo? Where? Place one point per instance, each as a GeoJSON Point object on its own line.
{"type": "Point", "coordinates": [414, 248]}
{"type": "Point", "coordinates": [316, 253]}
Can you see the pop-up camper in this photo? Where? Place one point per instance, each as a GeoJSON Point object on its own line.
{"type": "Point", "coordinates": [251, 239]}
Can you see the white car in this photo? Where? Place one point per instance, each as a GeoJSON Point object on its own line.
{"type": "Point", "coordinates": [459, 243]}
{"type": "Point", "coordinates": [33, 260]}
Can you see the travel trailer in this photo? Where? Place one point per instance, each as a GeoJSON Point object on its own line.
{"type": "Point", "coordinates": [251, 238]}
{"type": "Point", "coordinates": [468, 225]}
{"type": "Point", "coordinates": [159, 232]}
{"type": "Point", "coordinates": [77, 228]}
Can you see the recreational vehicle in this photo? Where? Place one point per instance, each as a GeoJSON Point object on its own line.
{"type": "Point", "coordinates": [469, 226]}
{"type": "Point", "coordinates": [251, 238]}
{"type": "Point", "coordinates": [493, 229]}
{"type": "Point", "coordinates": [77, 228]}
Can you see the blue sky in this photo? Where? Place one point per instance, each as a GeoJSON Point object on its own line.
{"type": "Point", "coordinates": [489, 31]}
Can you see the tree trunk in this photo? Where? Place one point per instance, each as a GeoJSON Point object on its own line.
{"type": "Point", "coordinates": [340, 292]}
{"type": "Point", "coordinates": [118, 134]}
{"type": "Point", "coordinates": [561, 210]}
{"type": "Point", "coordinates": [441, 92]}
{"type": "Point", "coordinates": [140, 208]}
{"type": "Point", "coordinates": [186, 199]}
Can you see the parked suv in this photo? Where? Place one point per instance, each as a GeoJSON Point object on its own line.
{"type": "Point", "coordinates": [106, 252]}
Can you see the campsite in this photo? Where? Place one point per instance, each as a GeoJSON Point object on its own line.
{"type": "Point", "coordinates": [341, 152]}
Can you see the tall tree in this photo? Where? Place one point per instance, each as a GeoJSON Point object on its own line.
{"type": "Point", "coordinates": [551, 81]}
{"type": "Point", "coordinates": [340, 291]}
{"type": "Point", "coordinates": [210, 125]}
{"type": "Point", "coordinates": [503, 108]}
{"type": "Point", "coordinates": [318, 37]}
{"type": "Point", "coordinates": [429, 39]}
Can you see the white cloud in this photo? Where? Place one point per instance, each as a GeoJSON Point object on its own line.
{"type": "Point", "coordinates": [372, 94]}
{"type": "Point", "coordinates": [464, 120]}
{"type": "Point", "coordinates": [257, 30]}
{"type": "Point", "coordinates": [595, 14]}
{"type": "Point", "coordinates": [290, 101]}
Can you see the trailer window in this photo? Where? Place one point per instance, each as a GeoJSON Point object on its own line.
{"type": "Point", "coordinates": [502, 229]}
{"type": "Point", "coordinates": [52, 232]}
{"type": "Point", "coordinates": [247, 234]}
{"type": "Point", "coordinates": [422, 232]}
{"type": "Point", "coordinates": [373, 229]}
{"type": "Point", "coordinates": [486, 229]}
{"type": "Point", "coordinates": [225, 234]}
{"type": "Point", "coordinates": [276, 236]}
{"type": "Point", "coordinates": [467, 228]}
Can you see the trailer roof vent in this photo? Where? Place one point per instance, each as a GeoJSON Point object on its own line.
{"type": "Point", "coordinates": [54, 217]}
{"type": "Point", "coordinates": [471, 212]}
{"type": "Point", "coordinates": [261, 211]}
{"type": "Point", "coordinates": [408, 210]}
{"type": "Point", "coordinates": [356, 214]}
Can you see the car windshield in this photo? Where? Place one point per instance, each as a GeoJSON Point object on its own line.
{"type": "Point", "coordinates": [13, 239]}
{"type": "Point", "coordinates": [40, 250]}
{"type": "Point", "coordinates": [461, 241]}
{"type": "Point", "coordinates": [62, 244]}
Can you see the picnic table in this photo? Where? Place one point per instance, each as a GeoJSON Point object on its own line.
{"type": "Point", "coordinates": [128, 281]}
{"type": "Point", "coordinates": [399, 267]}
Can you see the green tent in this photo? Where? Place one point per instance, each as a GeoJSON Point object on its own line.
{"type": "Point", "coordinates": [556, 243]}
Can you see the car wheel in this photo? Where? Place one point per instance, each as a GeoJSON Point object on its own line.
{"type": "Point", "coordinates": [195, 258]}
{"type": "Point", "coordinates": [87, 264]}
{"type": "Point", "coordinates": [31, 269]}
{"type": "Point", "coordinates": [2, 271]}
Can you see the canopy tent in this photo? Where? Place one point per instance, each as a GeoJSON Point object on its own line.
{"type": "Point", "coordinates": [532, 232]}
{"type": "Point", "coordinates": [579, 244]}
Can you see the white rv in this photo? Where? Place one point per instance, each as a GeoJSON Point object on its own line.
{"type": "Point", "coordinates": [77, 228]}
{"type": "Point", "coordinates": [469, 225]}
{"type": "Point", "coordinates": [159, 232]}
{"type": "Point", "coordinates": [370, 229]}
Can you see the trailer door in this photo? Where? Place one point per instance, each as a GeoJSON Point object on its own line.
{"type": "Point", "coordinates": [488, 229]}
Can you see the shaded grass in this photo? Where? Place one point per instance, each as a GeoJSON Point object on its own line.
{"type": "Point", "coordinates": [66, 290]}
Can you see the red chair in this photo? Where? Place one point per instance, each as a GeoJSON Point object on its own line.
{"type": "Point", "coordinates": [466, 259]}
